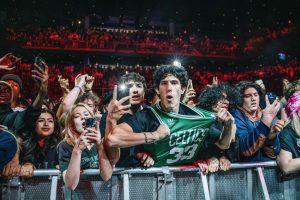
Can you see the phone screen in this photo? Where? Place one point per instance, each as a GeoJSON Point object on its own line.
{"type": "Point", "coordinates": [271, 96]}
{"type": "Point", "coordinates": [40, 62]}
{"type": "Point", "coordinates": [123, 91]}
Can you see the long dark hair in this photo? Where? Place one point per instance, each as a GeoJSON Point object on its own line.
{"type": "Point", "coordinates": [31, 151]}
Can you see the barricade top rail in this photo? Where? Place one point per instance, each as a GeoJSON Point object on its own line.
{"type": "Point", "coordinates": [162, 170]}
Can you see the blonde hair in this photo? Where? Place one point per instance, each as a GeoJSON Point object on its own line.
{"type": "Point", "coordinates": [69, 132]}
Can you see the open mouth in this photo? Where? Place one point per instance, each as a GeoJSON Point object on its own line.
{"type": "Point", "coordinates": [2, 98]}
{"type": "Point", "coordinates": [169, 97]}
{"type": "Point", "coordinates": [135, 97]}
{"type": "Point", "coordinates": [253, 104]}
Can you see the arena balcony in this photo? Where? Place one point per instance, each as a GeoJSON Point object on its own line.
{"type": "Point", "coordinates": [122, 42]}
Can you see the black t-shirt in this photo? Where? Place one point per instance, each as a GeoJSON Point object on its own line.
{"type": "Point", "coordinates": [127, 155]}
{"type": "Point", "coordinates": [49, 161]}
{"type": "Point", "coordinates": [290, 141]}
{"type": "Point", "coordinates": [89, 158]}
{"type": "Point", "coordinates": [209, 148]}
{"type": "Point", "coordinates": [44, 157]}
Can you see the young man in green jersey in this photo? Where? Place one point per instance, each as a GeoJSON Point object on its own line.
{"type": "Point", "coordinates": [171, 132]}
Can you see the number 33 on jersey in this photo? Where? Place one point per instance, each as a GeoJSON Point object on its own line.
{"type": "Point", "coordinates": [188, 133]}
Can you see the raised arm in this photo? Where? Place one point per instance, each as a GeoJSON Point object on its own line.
{"type": "Point", "coordinates": [64, 85]}
{"type": "Point", "coordinates": [42, 78]}
{"type": "Point", "coordinates": [71, 97]}
{"type": "Point", "coordinates": [8, 62]}
{"type": "Point", "coordinates": [229, 129]}
{"type": "Point", "coordinates": [115, 111]}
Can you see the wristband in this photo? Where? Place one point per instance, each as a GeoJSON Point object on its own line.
{"type": "Point", "coordinates": [146, 139]}
{"type": "Point", "coordinates": [80, 88]}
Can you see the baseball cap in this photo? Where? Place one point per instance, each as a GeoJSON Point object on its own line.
{"type": "Point", "coordinates": [13, 77]}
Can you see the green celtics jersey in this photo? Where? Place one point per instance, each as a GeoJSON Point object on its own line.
{"type": "Point", "coordinates": [187, 136]}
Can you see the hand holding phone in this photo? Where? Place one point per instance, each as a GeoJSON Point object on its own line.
{"type": "Point", "coordinates": [119, 105]}
{"type": "Point", "coordinates": [39, 66]}
{"type": "Point", "coordinates": [272, 97]}
{"type": "Point", "coordinates": [90, 122]}
{"type": "Point", "coordinates": [190, 85]}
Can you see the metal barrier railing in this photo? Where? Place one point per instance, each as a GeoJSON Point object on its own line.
{"type": "Point", "coordinates": [243, 181]}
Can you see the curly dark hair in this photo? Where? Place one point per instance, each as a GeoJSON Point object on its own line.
{"type": "Point", "coordinates": [149, 95]}
{"type": "Point", "coordinates": [210, 96]}
{"type": "Point", "coordinates": [31, 151]}
{"type": "Point", "coordinates": [244, 85]}
{"type": "Point", "coordinates": [132, 76]}
{"type": "Point", "coordinates": [164, 70]}
{"type": "Point", "coordinates": [233, 95]}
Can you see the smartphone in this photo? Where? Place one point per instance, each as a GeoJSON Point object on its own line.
{"type": "Point", "coordinates": [271, 96]}
{"type": "Point", "coordinates": [40, 62]}
{"type": "Point", "coordinates": [90, 122]}
{"type": "Point", "coordinates": [190, 84]}
{"type": "Point", "coordinates": [123, 91]}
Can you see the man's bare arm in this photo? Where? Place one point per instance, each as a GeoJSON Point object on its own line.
{"type": "Point", "coordinates": [123, 136]}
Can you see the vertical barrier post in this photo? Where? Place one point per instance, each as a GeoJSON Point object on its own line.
{"type": "Point", "coordinates": [263, 183]}
{"type": "Point", "coordinates": [170, 191]}
{"type": "Point", "coordinates": [212, 186]}
{"type": "Point", "coordinates": [161, 189]}
{"type": "Point", "coordinates": [114, 187]}
{"type": "Point", "coordinates": [164, 188]}
{"type": "Point", "coordinates": [249, 184]}
{"type": "Point", "coordinates": [126, 187]}
{"type": "Point", "coordinates": [289, 187]}
{"type": "Point", "coordinates": [13, 188]}
{"type": "Point", "coordinates": [53, 187]}
{"type": "Point", "coordinates": [205, 186]}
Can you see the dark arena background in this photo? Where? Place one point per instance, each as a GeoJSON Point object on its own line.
{"type": "Point", "coordinates": [232, 40]}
